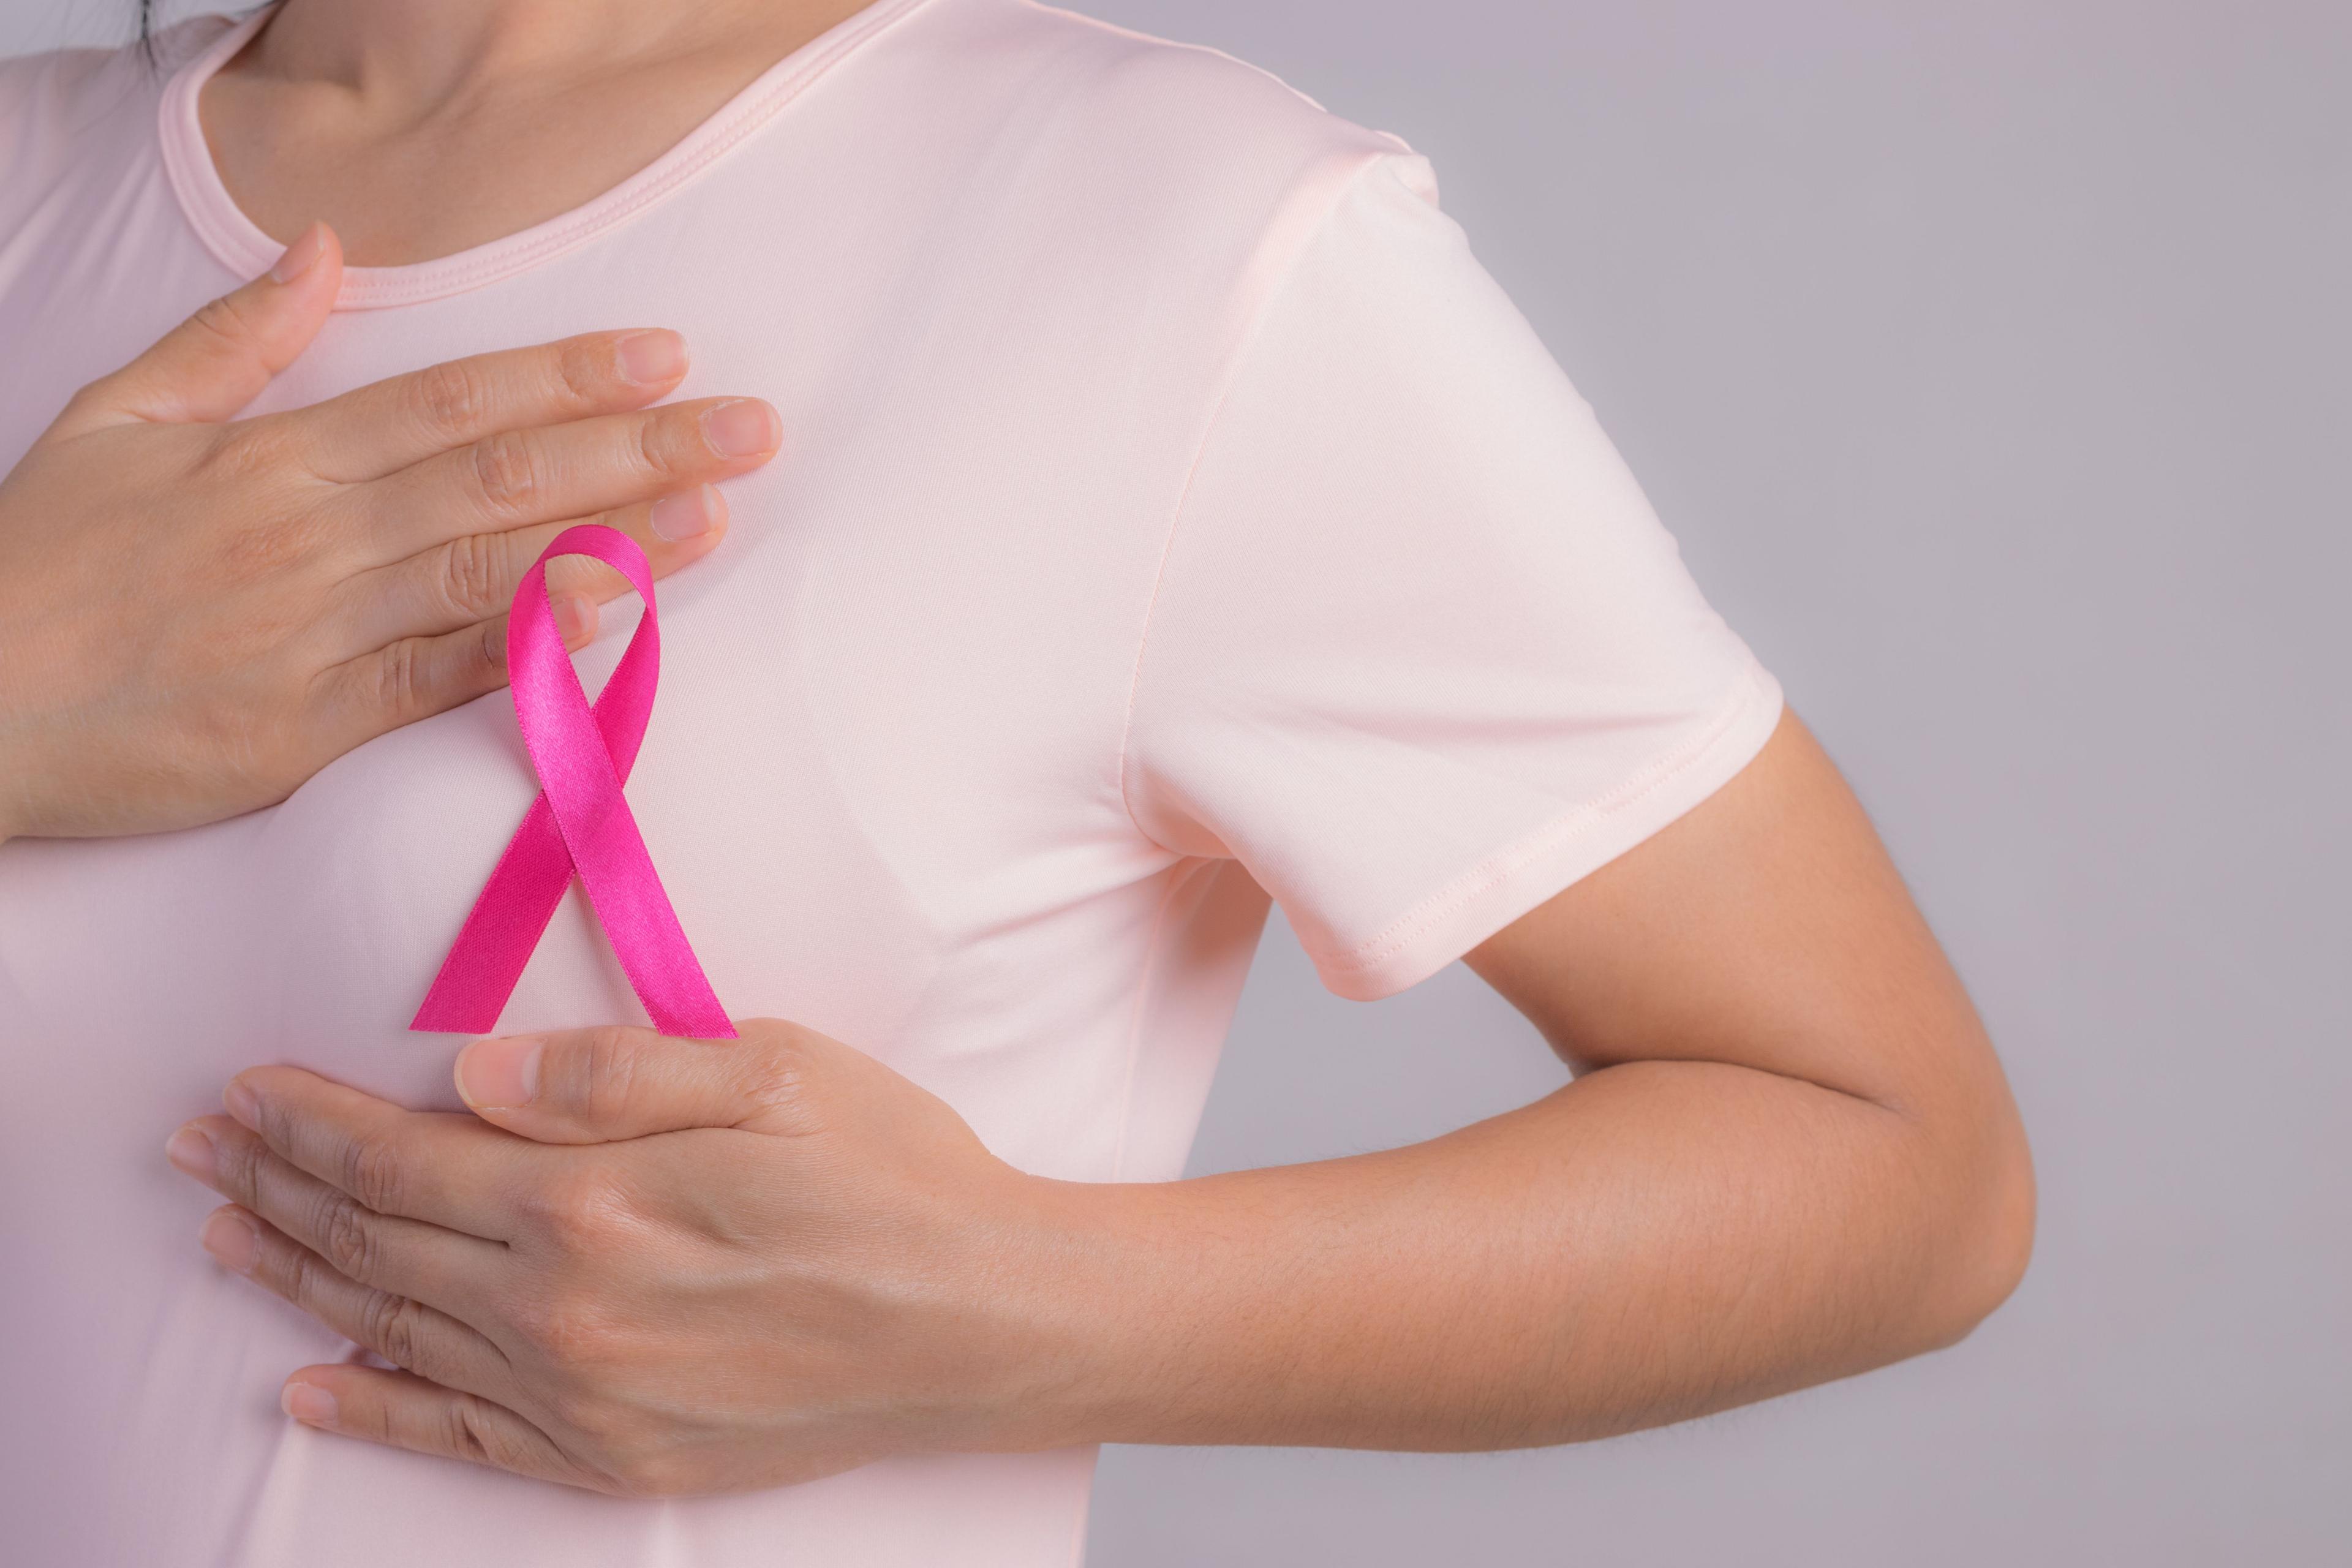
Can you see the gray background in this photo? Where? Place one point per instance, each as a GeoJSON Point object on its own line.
{"type": "Point", "coordinates": [1990, 359]}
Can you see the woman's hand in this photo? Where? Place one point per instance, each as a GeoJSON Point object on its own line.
{"type": "Point", "coordinates": [706, 1265]}
{"type": "Point", "coordinates": [196, 615]}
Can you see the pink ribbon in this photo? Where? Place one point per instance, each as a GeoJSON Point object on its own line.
{"type": "Point", "coordinates": [579, 823]}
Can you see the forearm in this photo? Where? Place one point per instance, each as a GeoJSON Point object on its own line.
{"type": "Point", "coordinates": [1652, 1242]}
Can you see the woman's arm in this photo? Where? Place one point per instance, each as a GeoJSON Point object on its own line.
{"type": "Point", "coordinates": [1791, 1157]}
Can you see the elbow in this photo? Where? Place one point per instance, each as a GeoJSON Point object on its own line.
{"type": "Point", "coordinates": [1982, 1231]}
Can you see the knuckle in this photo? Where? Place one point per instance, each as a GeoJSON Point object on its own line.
{"type": "Point", "coordinates": [665, 437]}
{"type": "Point", "coordinates": [276, 535]}
{"type": "Point", "coordinates": [250, 449]}
{"type": "Point", "coordinates": [507, 472]}
{"type": "Point", "coordinates": [489, 651]}
{"type": "Point", "coordinates": [472, 579]}
{"type": "Point", "coordinates": [90, 395]}
{"type": "Point", "coordinates": [274, 1123]}
{"type": "Point", "coordinates": [573, 1330]}
{"type": "Point", "coordinates": [606, 1073]}
{"type": "Point", "coordinates": [451, 399]}
{"type": "Point", "coordinates": [373, 1173]}
{"type": "Point", "coordinates": [537, 1327]}
{"type": "Point", "coordinates": [472, 1433]}
{"type": "Point", "coordinates": [394, 679]}
{"type": "Point", "coordinates": [265, 548]}
{"type": "Point", "coordinates": [223, 320]}
{"type": "Point", "coordinates": [586, 368]}
{"type": "Point", "coordinates": [239, 1160]}
{"type": "Point", "coordinates": [585, 1412]}
{"type": "Point", "coordinates": [582, 1211]}
{"type": "Point", "coordinates": [305, 1275]}
{"type": "Point", "coordinates": [347, 1237]}
{"type": "Point", "coordinates": [784, 1072]}
{"type": "Point", "coordinates": [394, 1327]}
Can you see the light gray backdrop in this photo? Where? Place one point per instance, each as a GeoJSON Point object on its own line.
{"type": "Point", "coordinates": [1990, 359]}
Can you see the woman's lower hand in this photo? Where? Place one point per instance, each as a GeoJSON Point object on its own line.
{"type": "Point", "coordinates": [705, 1266]}
{"type": "Point", "coordinates": [197, 612]}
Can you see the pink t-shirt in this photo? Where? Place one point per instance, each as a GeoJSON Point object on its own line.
{"type": "Point", "coordinates": [1174, 514]}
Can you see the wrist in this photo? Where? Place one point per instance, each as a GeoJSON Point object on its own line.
{"type": "Point", "coordinates": [1153, 1311]}
{"type": "Point", "coordinates": [1077, 1301]}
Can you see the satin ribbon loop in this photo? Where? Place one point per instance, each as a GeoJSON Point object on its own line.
{"type": "Point", "coordinates": [580, 823]}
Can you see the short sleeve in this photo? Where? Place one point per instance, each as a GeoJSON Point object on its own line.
{"type": "Point", "coordinates": [1419, 654]}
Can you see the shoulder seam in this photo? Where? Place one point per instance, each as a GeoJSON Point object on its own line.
{"type": "Point", "coordinates": [1099, 25]}
{"type": "Point", "coordinates": [1394, 143]}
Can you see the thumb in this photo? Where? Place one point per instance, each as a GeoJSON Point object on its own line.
{"type": "Point", "coordinates": [218, 360]}
{"type": "Point", "coordinates": [602, 1085]}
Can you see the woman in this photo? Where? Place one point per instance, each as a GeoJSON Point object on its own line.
{"type": "Point", "coordinates": [1173, 516]}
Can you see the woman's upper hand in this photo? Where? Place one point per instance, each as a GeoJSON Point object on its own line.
{"type": "Point", "coordinates": [197, 612]}
{"type": "Point", "coordinates": [707, 1265]}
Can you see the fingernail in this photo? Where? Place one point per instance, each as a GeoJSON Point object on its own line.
{"type": "Point", "coordinates": [499, 1075]}
{"type": "Point", "coordinates": [308, 1402]}
{"type": "Point", "coordinates": [649, 358]}
{"type": "Point", "coordinates": [193, 1153]}
{"type": "Point", "coordinates": [574, 617]}
{"type": "Point", "coordinates": [229, 1238]}
{"type": "Point", "coordinates": [687, 516]}
{"type": "Point", "coordinates": [301, 255]}
{"type": "Point", "coordinates": [742, 427]}
{"type": "Point", "coordinates": [238, 1102]}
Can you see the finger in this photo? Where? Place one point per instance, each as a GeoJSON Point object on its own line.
{"type": "Point", "coordinates": [416, 677]}
{"type": "Point", "coordinates": [448, 1171]}
{"type": "Point", "coordinates": [456, 1272]}
{"type": "Point", "coordinates": [387, 424]}
{"type": "Point", "coordinates": [602, 1085]}
{"type": "Point", "coordinates": [405, 1332]}
{"type": "Point", "coordinates": [672, 532]}
{"type": "Point", "coordinates": [401, 1410]}
{"type": "Point", "coordinates": [552, 472]}
{"type": "Point", "coordinates": [218, 360]}
{"type": "Point", "coordinates": [468, 579]}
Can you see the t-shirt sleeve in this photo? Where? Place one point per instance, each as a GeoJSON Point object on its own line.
{"type": "Point", "coordinates": [1419, 654]}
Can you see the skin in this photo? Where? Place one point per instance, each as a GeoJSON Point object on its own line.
{"type": "Point", "coordinates": [198, 612]}
{"type": "Point", "coordinates": [473, 121]}
{"type": "Point", "coordinates": [656, 1266]}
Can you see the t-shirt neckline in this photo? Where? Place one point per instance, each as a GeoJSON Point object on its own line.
{"type": "Point", "coordinates": [240, 245]}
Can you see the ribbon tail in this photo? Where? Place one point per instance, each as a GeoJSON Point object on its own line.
{"type": "Point", "coordinates": [635, 912]}
{"type": "Point", "coordinates": [501, 931]}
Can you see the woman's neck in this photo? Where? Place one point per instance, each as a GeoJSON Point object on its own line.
{"type": "Point", "coordinates": [421, 127]}
{"type": "Point", "coordinates": [414, 58]}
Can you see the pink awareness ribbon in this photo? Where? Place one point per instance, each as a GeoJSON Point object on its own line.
{"type": "Point", "coordinates": [579, 823]}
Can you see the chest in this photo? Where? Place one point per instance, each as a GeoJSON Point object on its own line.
{"type": "Point", "coordinates": [887, 726]}
{"type": "Point", "coordinates": [884, 754]}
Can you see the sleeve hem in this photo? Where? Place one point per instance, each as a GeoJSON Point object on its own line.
{"type": "Point", "coordinates": [1524, 874]}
